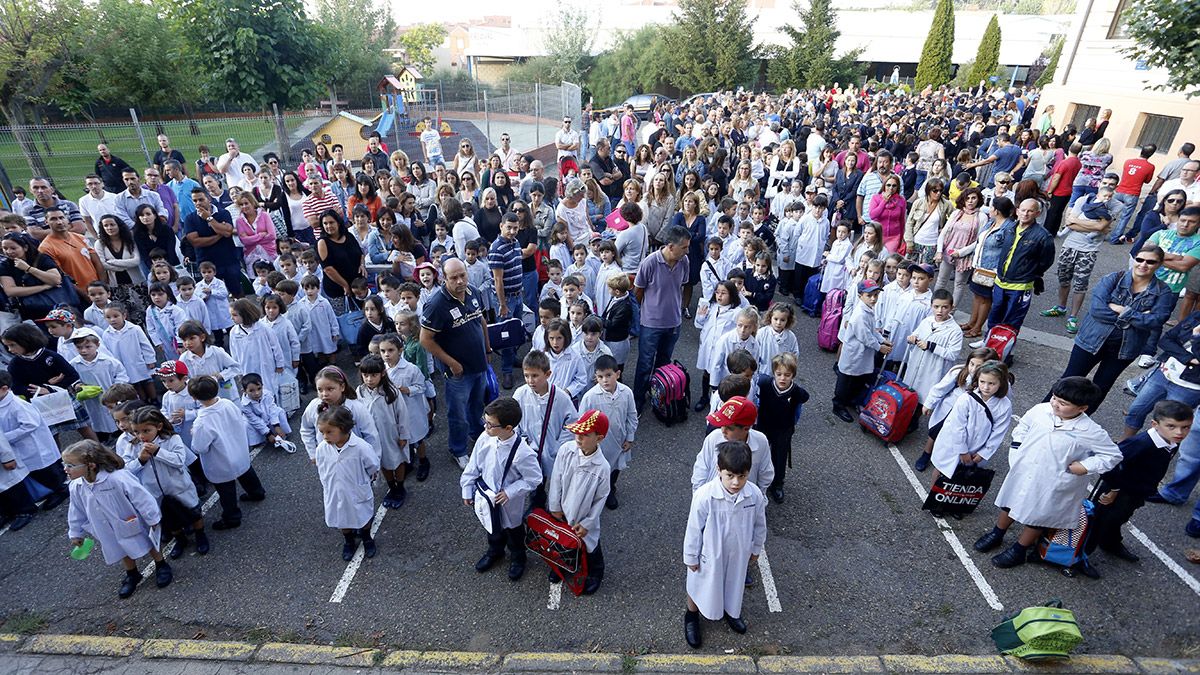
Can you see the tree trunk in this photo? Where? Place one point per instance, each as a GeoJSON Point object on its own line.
{"type": "Point", "coordinates": [193, 128]}
{"type": "Point", "coordinates": [14, 112]}
{"type": "Point", "coordinates": [333, 99]}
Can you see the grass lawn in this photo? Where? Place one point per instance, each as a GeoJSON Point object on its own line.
{"type": "Point", "coordinates": [69, 152]}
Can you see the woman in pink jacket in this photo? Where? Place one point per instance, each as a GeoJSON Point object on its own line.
{"type": "Point", "coordinates": [256, 232]}
{"type": "Point", "coordinates": [888, 209]}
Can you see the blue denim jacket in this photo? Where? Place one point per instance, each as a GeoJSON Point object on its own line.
{"type": "Point", "coordinates": [1146, 311]}
{"type": "Point", "coordinates": [992, 250]}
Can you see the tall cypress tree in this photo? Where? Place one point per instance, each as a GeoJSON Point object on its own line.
{"type": "Point", "coordinates": [935, 66]}
{"type": "Point", "coordinates": [987, 59]}
{"type": "Point", "coordinates": [713, 45]}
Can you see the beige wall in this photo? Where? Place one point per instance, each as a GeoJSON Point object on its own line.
{"type": "Point", "coordinates": [1093, 71]}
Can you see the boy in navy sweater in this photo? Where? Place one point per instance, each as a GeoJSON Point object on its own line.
{"type": "Point", "coordinates": [1124, 489]}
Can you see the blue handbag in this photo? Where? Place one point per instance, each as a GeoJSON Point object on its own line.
{"type": "Point", "coordinates": [351, 322]}
{"type": "Point", "coordinates": [491, 385]}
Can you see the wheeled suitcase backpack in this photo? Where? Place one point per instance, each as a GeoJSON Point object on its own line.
{"type": "Point", "coordinates": [669, 393]}
{"type": "Point", "coordinates": [890, 411]}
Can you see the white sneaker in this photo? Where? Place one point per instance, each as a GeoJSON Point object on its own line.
{"type": "Point", "coordinates": [978, 343]}
{"type": "Point", "coordinates": [462, 461]}
{"type": "Point", "coordinates": [1146, 361]}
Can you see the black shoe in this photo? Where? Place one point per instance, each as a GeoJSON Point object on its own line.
{"type": "Point", "coordinates": [54, 500]}
{"type": "Point", "coordinates": [691, 629]}
{"type": "Point", "coordinates": [422, 469]}
{"type": "Point", "coordinates": [400, 496]}
{"type": "Point", "coordinates": [989, 541]}
{"type": "Point", "coordinates": [163, 574]}
{"type": "Point", "coordinates": [776, 494]}
{"type": "Point", "coordinates": [181, 544]}
{"type": "Point", "coordinates": [701, 405]}
{"type": "Point", "coordinates": [348, 549]}
{"type": "Point", "coordinates": [370, 548]}
{"type": "Point", "coordinates": [488, 561]}
{"type": "Point", "coordinates": [922, 462]}
{"type": "Point", "coordinates": [1086, 569]}
{"type": "Point", "coordinates": [129, 584]}
{"type": "Point", "coordinates": [506, 380]}
{"type": "Point", "coordinates": [554, 578]}
{"type": "Point", "coordinates": [738, 625]}
{"type": "Point", "coordinates": [4, 521]}
{"type": "Point", "coordinates": [1156, 498]}
{"type": "Point", "coordinates": [247, 497]}
{"type": "Point", "coordinates": [226, 524]}
{"type": "Point", "coordinates": [516, 569]}
{"type": "Point", "coordinates": [611, 502]}
{"type": "Point", "coordinates": [1011, 557]}
{"type": "Point", "coordinates": [201, 542]}
{"type": "Point", "coordinates": [19, 522]}
{"type": "Point", "coordinates": [1122, 552]}
{"type": "Point", "coordinates": [591, 585]}
{"type": "Point", "coordinates": [843, 414]}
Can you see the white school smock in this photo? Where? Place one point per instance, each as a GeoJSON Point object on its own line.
{"type": "Point", "coordinates": [967, 429]}
{"type": "Point", "coordinates": [216, 302]}
{"type": "Point", "coordinates": [219, 440]}
{"type": "Point", "coordinates": [786, 236]}
{"type": "Point", "coordinates": [261, 416]}
{"type": "Point", "coordinates": [578, 488]}
{"type": "Point", "coordinates": [10, 477]}
{"type": "Point", "coordinates": [345, 475]}
{"type": "Point", "coordinates": [194, 309]}
{"type": "Point", "coordinates": [1038, 490]}
{"type": "Point", "coordinates": [838, 266]}
{"type": "Point", "coordinates": [533, 415]}
{"type": "Point", "coordinates": [416, 401]}
{"type": "Point", "coordinates": [298, 315]}
{"type": "Point", "coordinates": [165, 474]}
{"type": "Point", "coordinates": [860, 340]}
{"type": "Point", "coordinates": [943, 395]}
{"type": "Point", "coordinates": [723, 531]}
{"type": "Point", "coordinates": [488, 458]}
{"type": "Point", "coordinates": [910, 312]}
{"type": "Point", "coordinates": [568, 372]}
{"type": "Point", "coordinates": [600, 294]}
{"type": "Point", "coordinates": [132, 348]}
{"type": "Point", "coordinates": [926, 367]}
{"type": "Point", "coordinates": [182, 400]}
{"type": "Point", "coordinates": [105, 371]}
{"type": "Point", "coordinates": [323, 326]}
{"type": "Point", "coordinates": [117, 512]}
{"type": "Point", "coordinates": [256, 350]}
{"type": "Point", "coordinates": [364, 425]}
{"type": "Point", "coordinates": [716, 322]}
{"type": "Point", "coordinates": [162, 327]}
{"type": "Point", "coordinates": [762, 470]}
{"type": "Point", "coordinates": [219, 364]}
{"type": "Point", "coordinates": [712, 272]}
{"type": "Point", "coordinates": [621, 411]}
{"type": "Point", "coordinates": [722, 348]}
{"type": "Point", "coordinates": [391, 423]}
{"type": "Point", "coordinates": [810, 241]}
{"type": "Point", "coordinates": [772, 344]}
{"type": "Point", "coordinates": [26, 431]}
{"type": "Point", "coordinates": [285, 335]}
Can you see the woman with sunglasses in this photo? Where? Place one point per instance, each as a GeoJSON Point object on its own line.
{"type": "Point", "coordinates": [466, 158]}
{"type": "Point", "coordinates": [1164, 217]}
{"type": "Point", "coordinates": [1126, 308]}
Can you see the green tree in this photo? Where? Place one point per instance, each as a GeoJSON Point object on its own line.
{"type": "Point", "coordinates": [712, 44]}
{"type": "Point", "coordinates": [809, 60]}
{"type": "Point", "coordinates": [1165, 36]}
{"type": "Point", "coordinates": [418, 44]}
{"type": "Point", "coordinates": [356, 35]}
{"type": "Point", "coordinates": [37, 39]}
{"type": "Point", "coordinates": [987, 59]}
{"type": "Point", "coordinates": [568, 40]}
{"type": "Point", "coordinates": [935, 67]}
{"type": "Point", "coordinates": [1042, 70]}
{"type": "Point", "coordinates": [253, 53]}
{"type": "Point", "coordinates": [637, 63]}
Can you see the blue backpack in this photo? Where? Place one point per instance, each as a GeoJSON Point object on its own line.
{"type": "Point", "coordinates": [811, 303]}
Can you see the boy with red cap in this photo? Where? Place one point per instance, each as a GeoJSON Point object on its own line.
{"type": "Point", "coordinates": [734, 420]}
{"type": "Point", "coordinates": [180, 408]}
{"type": "Point", "coordinates": [579, 487]}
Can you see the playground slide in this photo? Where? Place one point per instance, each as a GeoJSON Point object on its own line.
{"type": "Point", "coordinates": [385, 124]}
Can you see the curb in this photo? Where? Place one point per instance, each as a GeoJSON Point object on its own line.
{"type": "Point", "coordinates": [163, 650]}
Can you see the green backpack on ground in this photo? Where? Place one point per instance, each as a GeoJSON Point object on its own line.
{"type": "Point", "coordinates": [1040, 633]}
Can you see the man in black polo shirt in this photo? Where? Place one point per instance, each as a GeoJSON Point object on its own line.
{"type": "Point", "coordinates": [453, 331]}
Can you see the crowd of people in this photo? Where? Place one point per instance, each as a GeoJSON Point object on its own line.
{"type": "Point", "coordinates": [174, 317]}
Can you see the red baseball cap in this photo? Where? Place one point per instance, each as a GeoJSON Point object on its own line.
{"type": "Point", "coordinates": [171, 368]}
{"type": "Point", "coordinates": [591, 421]}
{"type": "Point", "coordinates": [737, 410]}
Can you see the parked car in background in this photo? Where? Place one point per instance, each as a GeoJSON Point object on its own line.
{"type": "Point", "coordinates": [642, 104]}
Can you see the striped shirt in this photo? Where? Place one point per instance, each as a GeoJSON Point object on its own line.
{"type": "Point", "coordinates": [505, 254]}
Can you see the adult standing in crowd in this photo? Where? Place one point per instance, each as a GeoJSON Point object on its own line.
{"type": "Point", "coordinates": [230, 164]}
{"type": "Point", "coordinates": [255, 231]}
{"type": "Point", "coordinates": [165, 153]}
{"type": "Point", "coordinates": [1062, 178]}
{"type": "Point", "coordinates": [70, 250]}
{"type": "Point", "coordinates": [316, 203]}
{"type": "Point", "coordinates": [134, 196]}
{"type": "Point", "coordinates": [1029, 252]}
{"type": "Point", "coordinates": [210, 231]}
{"type": "Point", "coordinates": [154, 183]}
{"type": "Point", "coordinates": [572, 211]}
{"type": "Point", "coordinates": [1094, 164]}
{"type": "Point", "coordinates": [97, 202]}
{"type": "Point", "coordinates": [45, 200]}
{"type": "Point", "coordinates": [928, 215]}
{"type": "Point", "coordinates": [658, 287]}
{"type": "Point", "coordinates": [109, 168]}
{"type": "Point", "coordinates": [454, 332]}
{"type": "Point", "coordinates": [182, 186]}
{"type": "Point", "coordinates": [341, 259]}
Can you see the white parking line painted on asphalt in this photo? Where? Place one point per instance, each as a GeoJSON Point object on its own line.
{"type": "Point", "coordinates": [1188, 579]}
{"type": "Point", "coordinates": [768, 582]}
{"type": "Point", "coordinates": [343, 585]}
{"type": "Point", "coordinates": [204, 508]}
{"type": "Point", "coordinates": [984, 587]}
{"type": "Point", "coordinates": [555, 599]}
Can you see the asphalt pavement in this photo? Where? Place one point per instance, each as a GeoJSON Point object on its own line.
{"type": "Point", "coordinates": [855, 567]}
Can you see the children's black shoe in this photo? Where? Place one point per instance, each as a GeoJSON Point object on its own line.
{"type": "Point", "coordinates": [554, 578]}
{"type": "Point", "coordinates": [516, 569]}
{"type": "Point", "coordinates": [348, 549]}
{"type": "Point", "coordinates": [1088, 570]}
{"type": "Point", "coordinates": [369, 547]}
{"type": "Point", "coordinates": [422, 469]}
{"type": "Point", "coordinates": [129, 584]}
{"type": "Point", "coordinates": [591, 585]}
{"type": "Point", "coordinates": [54, 500]}
{"type": "Point", "coordinates": [163, 574]}
{"type": "Point", "coordinates": [400, 496]}
{"type": "Point", "coordinates": [842, 414]}
{"type": "Point", "coordinates": [488, 561]}
{"type": "Point", "coordinates": [736, 624]}
{"type": "Point", "coordinates": [223, 524]}
{"type": "Point", "coordinates": [701, 405]}
{"type": "Point", "coordinates": [922, 462]}
{"type": "Point", "coordinates": [181, 544]}
{"type": "Point", "coordinates": [776, 494]}
{"type": "Point", "coordinates": [1011, 557]}
{"type": "Point", "coordinates": [989, 541]}
{"type": "Point", "coordinates": [201, 542]}
{"type": "Point", "coordinates": [611, 502]}
{"type": "Point", "coordinates": [691, 629]}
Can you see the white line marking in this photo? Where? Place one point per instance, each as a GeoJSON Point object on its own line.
{"type": "Point", "coordinates": [343, 585]}
{"type": "Point", "coordinates": [1188, 579]}
{"type": "Point", "coordinates": [204, 509]}
{"type": "Point", "coordinates": [951, 538]}
{"type": "Point", "coordinates": [555, 599]}
{"type": "Point", "coordinates": [768, 582]}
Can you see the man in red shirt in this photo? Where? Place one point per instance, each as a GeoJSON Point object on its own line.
{"type": "Point", "coordinates": [1060, 186]}
{"type": "Point", "coordinates": [1135, 174]}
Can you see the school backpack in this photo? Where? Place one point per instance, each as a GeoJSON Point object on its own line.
{"type": "Point", "coordinates": [1002, 337]}
{"type": "Point", "coordinates": [491, 386]}
{"type": "Point", "coordinates": [1041, 633]}
{"type": "Point", "coordinates": [831, 320]}
{"type": "Point", "coordinates": [810, 304]}
{"type": "Point", "coordinates": [890, 411]}
{"type": "Point", "coordinates": [1065, 547]}
{"type": "Point", "coordinates": [669, 393]}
